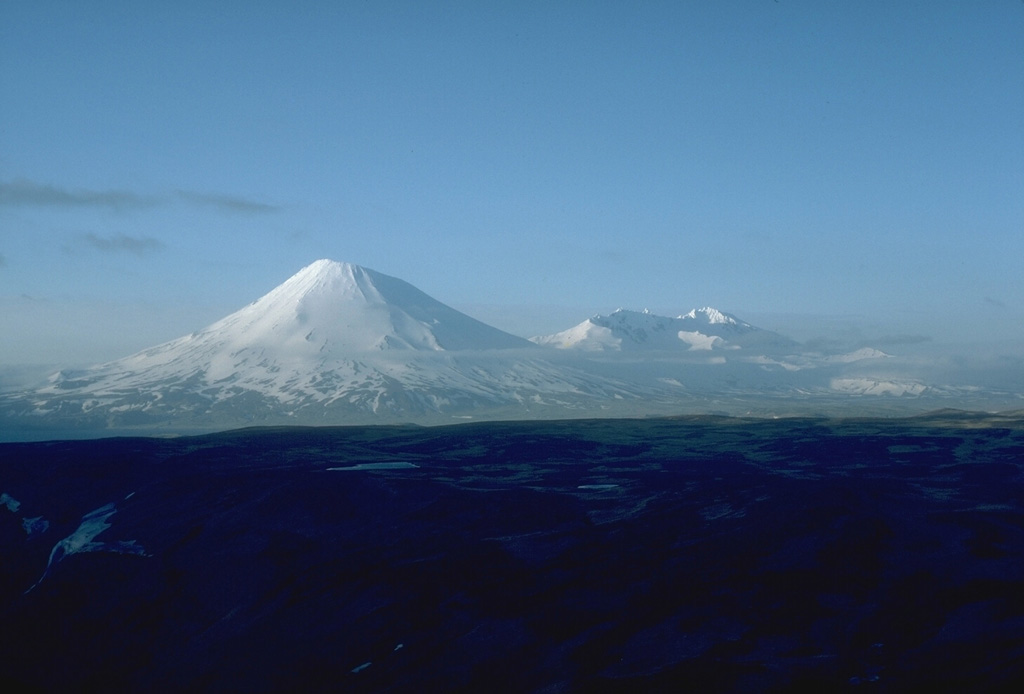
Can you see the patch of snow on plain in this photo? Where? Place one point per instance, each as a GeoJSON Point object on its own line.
{"type": "Point", "coordinates": [375, 466]}
{"type": "Point", "coordinates": [870, 386]}
{"type": "Point", "coordinates": [82, 540]}
{"type": "Point", "coordinates": [858, 355]}
{"type": "Point", "coordinates": [35, 526]}
{"type": "Point", "coordinates": [10, 502]}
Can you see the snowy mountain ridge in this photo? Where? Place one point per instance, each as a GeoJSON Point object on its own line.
{"type": "Point", "coordinates": [702, 329]}
{"type": "Point", "coordinates": [712, 315]}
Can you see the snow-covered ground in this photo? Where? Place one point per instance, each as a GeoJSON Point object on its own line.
{"type": "Point", "coordinates": [83, 539]}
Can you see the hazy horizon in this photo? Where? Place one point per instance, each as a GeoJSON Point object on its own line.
{"type": "Point", "coordinates": [835, 172]}
{"type": "Point", "coordinates": [90, 340]}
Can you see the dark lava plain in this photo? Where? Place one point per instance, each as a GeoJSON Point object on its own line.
{"type": "Point", "coordinates": [676, 554]}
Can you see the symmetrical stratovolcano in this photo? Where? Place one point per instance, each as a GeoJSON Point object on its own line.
{"type": "Point", "coordinates": [331, 308]}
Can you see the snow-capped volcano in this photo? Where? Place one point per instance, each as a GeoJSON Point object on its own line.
{"type": "Point", "coordinates": [336, 342]}
{"type": "Point", "coordinates": [702, 329]}
{"type": "Point", "coordinates": [326, 312]}
{"type": "Point", "coordinates": [332, 308]}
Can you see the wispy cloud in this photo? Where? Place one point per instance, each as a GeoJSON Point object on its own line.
{"type": "Point", "coordinates": [24, 193]}
{"type": "Point", "coordinates": [226, 203]}
{"type": "Point", "coordinates": [21, 192]}
{"type": "Point", "coordinates": [122, 243]}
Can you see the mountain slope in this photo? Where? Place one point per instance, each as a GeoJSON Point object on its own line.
{"type": "Point", "coordinates": [334, 308]}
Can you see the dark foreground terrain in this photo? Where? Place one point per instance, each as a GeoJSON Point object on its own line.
{"type": "Point", "coordinates": [695, 554]}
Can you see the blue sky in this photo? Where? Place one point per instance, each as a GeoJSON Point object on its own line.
{"type": "Point", "coordinates": [805, 165]}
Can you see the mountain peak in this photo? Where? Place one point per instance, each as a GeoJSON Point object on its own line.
{"type": "Point", "coordinates": [713, 316]}
{"type": "Point", "coordinates": [341, 307]}
{"type": "Point", "coordinates": [326, 268]}
{"type": "Point", "coordinates": [324, 265]}
{"type": "Point", "coordinates": [327, 276]}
